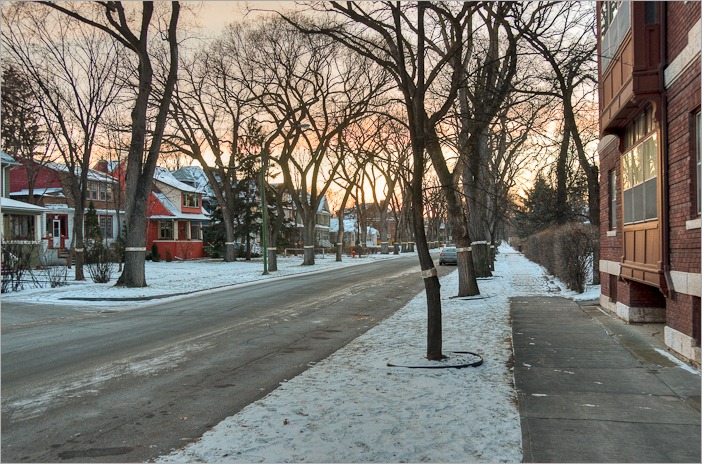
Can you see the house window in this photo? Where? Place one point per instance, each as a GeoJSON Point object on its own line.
{"type": "Point", "coordinates": [165, 230]}
{"type": "Point", "coordinates": [640, 181]}
{"type": "Point", "coordinates": [191, 200]}
{"type": "Point", "coordinates": [615, 22]}
{"type": "Point", "coordinates": [608, 12]}
{"type": "Point", "coordinates": [195, 230]}
{"type": "Point", "coordinates": [106, 229]}
{"type": "Point", "coordinates": [612, 200]}
{"type": "Point", "coordinates": [99, 191]}
{"type": "Point", "coordinates": [699, 163]}
{"type": "Point", "coordinates": [21, 227]}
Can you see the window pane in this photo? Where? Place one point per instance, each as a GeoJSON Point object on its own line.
{"type": "Point", "coordinates": [636, 166]}
{"type": "Point", "coordinates": [650, 154]}
{"type": "Point", "coordinates": [627, 181]}
{"type": "Point", "coordinates": [613, 200]}
{"type": "Point", "coordinates": [699, 163]}
{"type": "Point", "coordinates": [651, 196]}
{"type": "Point", "coordinates": [638, 205]}
{"type": "Point", "coordinates": [628, 206]}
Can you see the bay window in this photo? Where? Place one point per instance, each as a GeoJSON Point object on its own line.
{"type": "Point", "coordinates": [640, 171]}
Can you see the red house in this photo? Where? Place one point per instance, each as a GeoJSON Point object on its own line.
{"type": "Point", "coordinates": [649, 90]}
{"type": "Point", "coordinates": [176, 218]}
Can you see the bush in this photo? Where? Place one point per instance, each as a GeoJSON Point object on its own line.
{"type": "Point", "coordinates": [99, 259]}
{"type": "Point", "coordinates": [169, 257]}
{"type": "Point", "coordinates": [155, 257]}
{"type": "Point", "coordinates": [565, 251]}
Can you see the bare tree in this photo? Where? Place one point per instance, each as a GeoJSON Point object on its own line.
{"type": "Point", "coordinates": [131, 28]}
{"type": "Point", "coordinates": [421, 45]}
{"type": "Point", "coordinates": [569, 49]}
{"type": "Point", "coordinates": [209, 115]}
{"type": "Point", "coordinates": [73, 72]}
{"type": "Point", "coordinates": [306, 81]}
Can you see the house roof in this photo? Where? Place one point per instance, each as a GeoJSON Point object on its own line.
{"type": "Point", "coordinates": [93, 175]}
{"type": "Point", "coordinates": [195, 176]}
{"type": "Point", "coordinates": [175, 213]}
{"type": "Point", "coordinates": [51, 191]}
{"type": "Point", "coordinates": [349, 225]}
{"type": "Point", "coordinates": [15, 206]}
{"type": "Point", "coordinates": [165, 176]}
{"type": "Point", "coordinates": [7, 160]}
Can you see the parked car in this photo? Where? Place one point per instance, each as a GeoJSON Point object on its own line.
{"type": "Point", "coordinates": [448, 256]}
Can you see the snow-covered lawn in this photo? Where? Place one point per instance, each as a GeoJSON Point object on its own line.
{"type": "Point", "coordinates": [352, 407]}
{"type": "Point", "coordinates": [176, 278]}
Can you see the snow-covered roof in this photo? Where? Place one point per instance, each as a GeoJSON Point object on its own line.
{"type": "Point", "coordinates": [93, 175]}
{"type": "Point", "coordinates": [349, 225]}
{"type": "Point", "coordinates": [10, 205]}
{"type": "Point", "coordinates": [194, 176]}
{"type": "Point", "coordinates": [175, 212]}
{"type": "Point", "coordinates": [7, 160]}
{"type": "Point", "coordinates": [51, 191]}
{"type": "Point", "coordinates": [165, 176]}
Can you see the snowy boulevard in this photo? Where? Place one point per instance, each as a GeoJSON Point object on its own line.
{"type": "Point", "coordinates": [128, 383]}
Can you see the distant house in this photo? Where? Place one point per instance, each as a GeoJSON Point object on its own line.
{"type": "Point", "coordinates": [21, 222]}
{"type": "Point", "coordinates": [175, 217]}
{"type": "Point", "coordinates": [195, 177]}
{"type": "Point", "coordinates": [50, 186]}
{"type": "Point", "coordinates": [349, 232]}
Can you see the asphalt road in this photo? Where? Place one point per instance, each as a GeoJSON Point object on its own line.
{"type": "Point", "coordinates": [132, 385]}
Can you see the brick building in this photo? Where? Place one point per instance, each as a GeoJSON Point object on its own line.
{"type": "Point", "coordinates": [649, 90]}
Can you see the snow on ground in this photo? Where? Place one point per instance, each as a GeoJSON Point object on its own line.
{"type": "Point", "coordinates": [352, 407]}
{"type": "Point", "coordinates": [175, 278]}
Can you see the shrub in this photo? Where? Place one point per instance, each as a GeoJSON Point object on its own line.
{"type": "Point", "coordinates": [565, 251]}
{"type": "Point", "coordinates": [99, 259]}
{"type": "Point", "coordinates": [169, 256]}
{"type": "Point", "coordinates": [155, 257]}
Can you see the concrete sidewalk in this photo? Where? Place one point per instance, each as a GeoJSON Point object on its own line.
{"type": "Point", "coordinates": [594, 389]}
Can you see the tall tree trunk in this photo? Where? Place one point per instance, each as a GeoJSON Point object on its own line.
{"type": "Point", "coordinates": [78, 219]}
{"type": "Point", "coordinates": [308, 240]}
{"type": "Point", "coordinates": [384, 231]}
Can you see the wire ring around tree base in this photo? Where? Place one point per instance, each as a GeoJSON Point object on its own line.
{"type": "Point", "coordinates": [470, 360]}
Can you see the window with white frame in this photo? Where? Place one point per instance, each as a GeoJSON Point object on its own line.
{"type": "Point", "coordinates": [698, 130]}
{"type": "Point", "coordinates": [195, 230]}
{"type": "Point", "coordinates": [106, 229]}
{"type": "Point", "coordinates": [99, 191]}
{"type": "Point", "coordinates": [612, 199]}
{"type": "Point", "coordinates": [21, 227]}
{"type": "Point", "coordinates": [191, 200]}
{"type": "Point", "coordinates": [165, 230]}
{"type": "Point", "coordinates": [640, 171]}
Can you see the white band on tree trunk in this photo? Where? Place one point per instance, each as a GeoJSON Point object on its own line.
{"type": "Point", "coordinates": [383, 243]}
{"type": "Point", "coordinates": [78, 250]}
{"type": "Point", "coordinates": [135, 249]}
{"type": "Point", "coordinates": [429, 273]}
{"type": "Point", "coordinates": [338, 244]}
{"type": "Point", "coordinates": [271, 249]}
{"type": "Point", "coordinates": [308, 246]}
{"type": "Point", "coordinates": [462, 250]}
{"type": "Point", "coordinates": [230, 243]}
{"type": "Point", "coordinates": [480, 242]}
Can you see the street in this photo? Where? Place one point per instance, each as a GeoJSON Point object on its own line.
{"type": "Point", "coordinates": [132, 385]}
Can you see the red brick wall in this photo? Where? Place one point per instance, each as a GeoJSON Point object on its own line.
{"type": "Point", "coordinates": [683, 315]}
{"type": "Point", "coordinates": [683, 104]}
{"type": "Point", "coordinates": [681, 17]}
{"type": "Point", "coordinates": [610, 247]}
{"type": "Point", "coordinates": [636, 295]}
{"type": "Point", "coordinates": [45, 178]}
